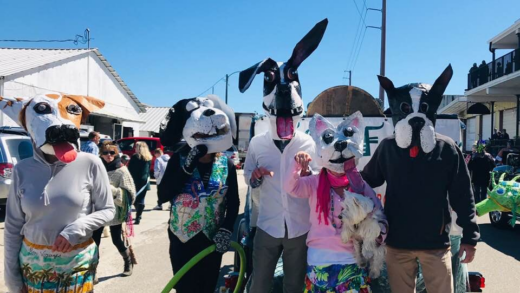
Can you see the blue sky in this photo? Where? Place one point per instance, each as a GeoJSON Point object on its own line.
{"type": "Point", "coordinates": [170, 50]}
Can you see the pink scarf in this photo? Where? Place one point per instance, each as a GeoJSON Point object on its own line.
{"type": "Point", "coordinates": [325, 183]}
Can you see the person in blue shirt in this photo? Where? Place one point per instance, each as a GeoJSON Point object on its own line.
{"type": "Point", "coordinates": [92, 145]}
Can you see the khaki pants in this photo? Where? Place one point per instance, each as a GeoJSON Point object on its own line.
{"type": "Point", "coordinates": [436, 268]}
{"type": "Point", "coordinates": [267, 251]}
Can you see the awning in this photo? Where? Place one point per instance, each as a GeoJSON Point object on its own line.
{"type": "Point", "coordinates": [455, 107]}
{"type": "Point", "coordinates": [478, 109]}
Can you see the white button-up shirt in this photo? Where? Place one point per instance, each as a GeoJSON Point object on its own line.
{"type": "Point", "coordinates": [276, 207]}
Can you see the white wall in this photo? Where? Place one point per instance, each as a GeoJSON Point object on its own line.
{"type": "Point", "coordinates": [486, 127]}
{"type": "Point", "coordinates": [471, 132]}
{"type": "Point", "coordinates": [70, 76]}
{"type": "Point", "coordinates": [509, 122]}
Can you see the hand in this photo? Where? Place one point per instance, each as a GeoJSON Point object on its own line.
{"type": "Point", "coordinates": [222, 240]}
{"type": "Point", "coordinates": [62, 245]}
{"type": "Point", "coordinates": [260, 172]}
{"type": "Point", "coordinates": [470, 252]}
{"type": "Point", "coordinates": [303, 159]}
{"type": "Point", "coordinates": [193, 157]}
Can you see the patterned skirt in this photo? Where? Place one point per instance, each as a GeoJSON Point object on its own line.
{"type": "Point", "coordinates": [337, 278]}
{"type": "Point", "coordinates": [47, 271]}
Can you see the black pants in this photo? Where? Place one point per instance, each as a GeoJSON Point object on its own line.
{"type": "Point", "coordinates": [203, 277]}
{"type": "Point", "coordinates": [480, 192]}
{"type": "Point", "coordinates": [117, 237]}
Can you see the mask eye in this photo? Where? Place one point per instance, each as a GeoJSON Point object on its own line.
{"type": "Point", "coordinates": [423, 108]}
{"type": "Point", "coordinates": [501, 191]}
{"type": "Point", "coordinates": [42, 108]}
{"type": "Point", "coordinates": [192, 105]}
{"type": "Point", "coordinates": [269, 76]}
{"type": "Point", "coordinates": [292, 74]}
{"type": "Point", "coordinates": [328, 136]}
{"type": "Point", "coordinates": [74, 109]}
{"type": "Point", "coordinates": [406, 108]}
{"type": "Point", "coordinates": [348, 132]}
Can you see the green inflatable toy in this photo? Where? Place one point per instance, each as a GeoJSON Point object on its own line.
{"type": "Point", "coordinates": [505, 197]}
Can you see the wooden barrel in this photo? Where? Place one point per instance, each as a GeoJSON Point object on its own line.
{"type": "Point", "coordinates": [344, 100]}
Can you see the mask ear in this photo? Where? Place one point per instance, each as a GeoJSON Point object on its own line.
{"type": "Point", "coordinates": [356, 119]}
{"type": "Point", "coordinates": [246, 77]}
{"type": "Point", "coordinates": [308, 44]}
{"type": "Point", "coordinates": [386, 83]}
{"type": "Point", "coordinates": [442, 82]}
{"type": "Point", "coordinates": [173, 124]}
{"type": "Point", "coordinates": [14, 108]}
{"type": "Point", "coordinates": [88, 104]}
{"type": "Point", "coordinates": [317, 126]}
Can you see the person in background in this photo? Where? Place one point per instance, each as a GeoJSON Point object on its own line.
{"type": "Point", "coordinates": [139, 168]}
{"type": "Point", "coordinates": [495, 134]}
{"type": "Point", "coordinates": [161, 161]}
{"type": "Point", "coordinates": [125, 159]}
{"type": "Point", "coordinates": [505, 135]}
{"type": "Point", "coordinates": [500, 157]}
{"type": "Point", "coordinates": [123, 192]}
{"type": "Point", "coordinates": [480, 166]}
{"type": "Point", "coordinates": [91, 146]}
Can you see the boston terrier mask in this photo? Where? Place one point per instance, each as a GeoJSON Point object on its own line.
{"type": "Point", "coordinates": [414, 110]}
{"type": "Point", "coordinates": [282, 92]}
{"type": "Point", "coordinates": [200, 121]}
{"type": "Point", "coordinates": [335, 145]}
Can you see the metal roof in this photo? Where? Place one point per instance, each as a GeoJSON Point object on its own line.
{"type": "Point", "coordinates": [15, 60]}
{"type": "Point", "coordinates": [508, 38]}
{"type": "Point", "coordinates": [153, 118]}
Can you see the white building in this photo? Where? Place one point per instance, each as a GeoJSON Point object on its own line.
{"type": "Point", "coordinates": [26, 72]}
{"type": "Point", "coordinates": [152, 118]}
{"type": "Point", "coordinates": [492, 99]}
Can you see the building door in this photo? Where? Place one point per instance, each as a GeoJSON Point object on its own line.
{"type": "Point", "coordinates": [509, 122]}
{"type": "Point", "coordinates": [471, 133]}
{"type": "Point", "coordinates": [486, 127]}
{"type": "Point", "coordinates": [118, 131]}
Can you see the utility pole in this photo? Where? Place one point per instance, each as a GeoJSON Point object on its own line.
{"type": "Point", "coordinates": [383, 52]}
{"type": "Point", "coordinates": [349, 77]}
{"type": "Point", "coordinates": [227, 78]}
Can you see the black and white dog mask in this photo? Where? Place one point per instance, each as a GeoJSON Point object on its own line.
{"type": "Point", "coordinates": [282, 92]}
{"type": "Point", "coordinates": [200, 121]}
{"type": "Point", "coordinates": [335, 145]}
{"type": "Point", "coordinates": [414, 110]}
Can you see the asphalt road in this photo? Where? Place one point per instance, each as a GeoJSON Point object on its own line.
{"type": "Point", "coordinates": [498, 255]}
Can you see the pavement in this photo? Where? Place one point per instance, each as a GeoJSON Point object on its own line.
{"type": "Point", "coordinates": [498, 255]}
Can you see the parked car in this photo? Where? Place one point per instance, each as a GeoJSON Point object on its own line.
{"type": "Point", "coordinates": [127, 147]}
{"type": "Point", "coordinates": [13, 149]}
{"type": "Point", "coordinates": [232, 154]}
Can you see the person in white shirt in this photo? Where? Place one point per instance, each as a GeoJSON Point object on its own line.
{"type": "Point", "coordinates": [161, 161]}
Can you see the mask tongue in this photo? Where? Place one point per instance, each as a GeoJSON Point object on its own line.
{"type": "Point", "coordinates": [284, 127]}
{"type": "Point", "coordinates": [414, 151]}
{"type": "Point", "coordinates": [65, 152]}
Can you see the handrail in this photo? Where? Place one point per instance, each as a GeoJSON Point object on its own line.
{"type": "Point", "coordinates": [504, 65]}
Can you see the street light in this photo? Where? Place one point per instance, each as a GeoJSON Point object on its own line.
{"type": "Point", "coordinates": [227, 79]}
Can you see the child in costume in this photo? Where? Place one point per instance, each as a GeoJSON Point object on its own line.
{"type": "Point", "coordinates": [331, 263]}
{"type": "Point", "coordinates": [57, 199]}
{"type": "Point", "coordinates": [202, 183]}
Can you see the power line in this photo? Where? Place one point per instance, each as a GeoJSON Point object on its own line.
{"type": "Point", "coordinates": [79, 39]}
{"type": "Point", "coordinates": [200, 95]}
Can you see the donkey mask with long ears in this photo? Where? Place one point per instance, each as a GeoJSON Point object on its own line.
{"type": "Point", "coordinates": [414, 111]}
{"type": "Point", "coordinates": [282, 92]}
{"type": "Point", "coordinates": [52, 120]}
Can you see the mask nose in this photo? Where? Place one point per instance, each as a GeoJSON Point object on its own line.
{"type": "Point", "coordinates": [340, 145]}
{"type": "Point", "coordinates": [60, 133]}
{"type": "Point", "coordinates": [208, 112]}
{"type": "Point", "coordinates": [417, 123]}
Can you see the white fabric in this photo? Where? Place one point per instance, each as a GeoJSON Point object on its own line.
{"type": "Point", "coordinates": [159, 167]}
{"type": "Point", "coordinates": [276, 207]}
{"type": "Point", "coordinates": [323, 257]}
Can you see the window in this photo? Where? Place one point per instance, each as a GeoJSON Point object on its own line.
{"type": "Point", "coordinates": [127, 145]}
{"type": "Point", "coordinates": [19, 149]}
{"type": "Point", "coordinates": [152, 144]}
